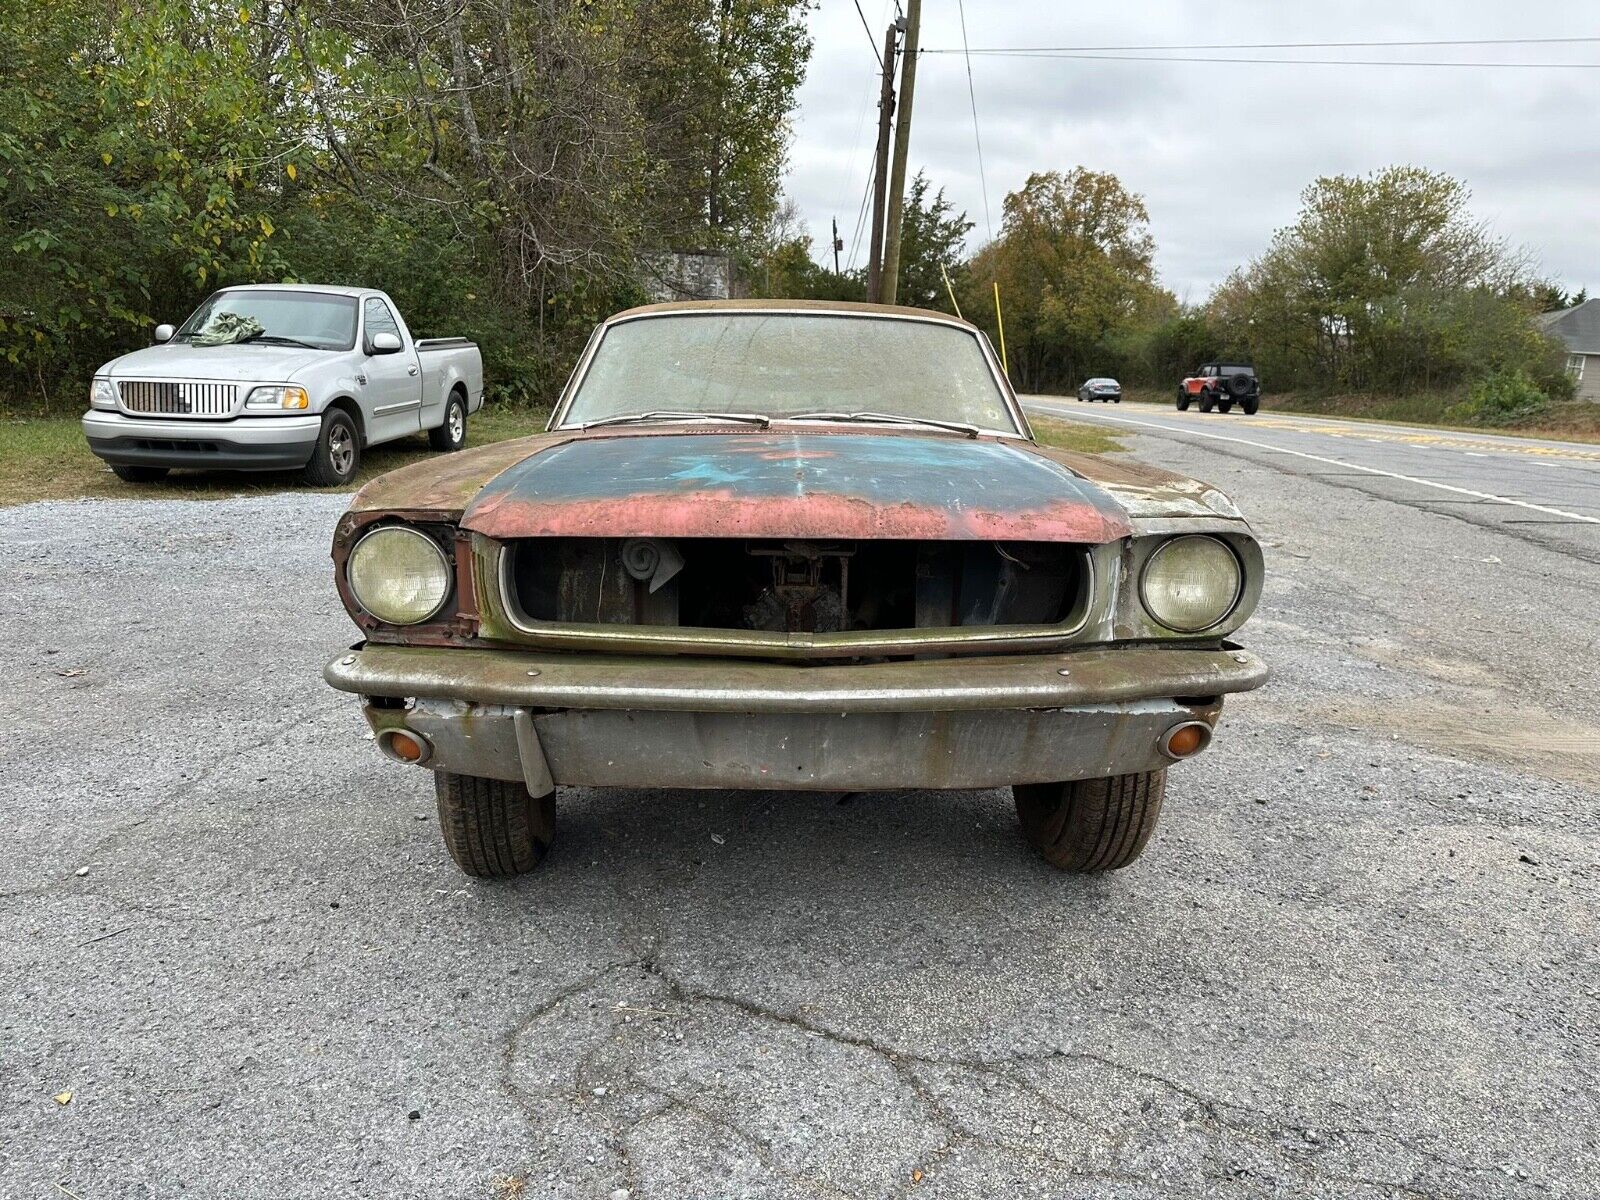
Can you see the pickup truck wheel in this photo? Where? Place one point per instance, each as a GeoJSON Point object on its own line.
{"type": "Point", "coordinates": [132, 474]}
{"type": "Point", "coordinates": [452, 431]}
{"type": "Point", "coordinates": [493, 828]}
{"type": "Point", "coordinates": [1091, 825]}
{"type": "Point", "coordinates": [337, 453]}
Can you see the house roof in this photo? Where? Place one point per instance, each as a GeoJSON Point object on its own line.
{"type": "Point", "coordinates": [1578, 327]}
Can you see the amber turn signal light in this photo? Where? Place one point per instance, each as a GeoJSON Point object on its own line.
{"type": "Point", "coordinates": [1182, 741]}
{"type": "Point", "coordinates": [404, 746]}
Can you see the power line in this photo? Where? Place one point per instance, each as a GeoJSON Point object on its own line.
{"type": "Point", "coordinates": [1544, 41]}
{"type": "Point", "coordinates": [871, 41]}
{"type": "Point", "coordinates": [1298, 62]}
{"type": "Point", "coordinates": [977, 140]}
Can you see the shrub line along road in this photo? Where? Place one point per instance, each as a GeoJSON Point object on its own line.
{"type": "Point", "coordinates": [1357, 959]}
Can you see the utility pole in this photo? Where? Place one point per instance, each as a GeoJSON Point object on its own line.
{"type": "Point", "coordinates": [838, 245]}
{"type": "Point", "coordinates": [880, 171]}
{"type": "Point", "coordinates": [902, 143]}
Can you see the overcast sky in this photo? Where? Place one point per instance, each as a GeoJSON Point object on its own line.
{"type": "Point", "coordinates": [1220, 152]}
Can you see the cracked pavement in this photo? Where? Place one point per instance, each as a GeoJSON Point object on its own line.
{"type": "Point", "coordinates": [1357, 960]}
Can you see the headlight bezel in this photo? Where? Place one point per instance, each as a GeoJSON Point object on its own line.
{"type": "Point", "coordinates": [365, 605]}
{"type": "Point", "coordinates": [103, 393]}
{"type": "Point", "coordinates": [278, 397]}
{"type": "Point", "coordinates": [1245, 586]}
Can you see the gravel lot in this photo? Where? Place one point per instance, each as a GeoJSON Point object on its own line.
{"type": "Point", "coordinates": [1358, 959]}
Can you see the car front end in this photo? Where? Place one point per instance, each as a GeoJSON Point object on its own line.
{"type": "Point", "coordinates": [807, 603]}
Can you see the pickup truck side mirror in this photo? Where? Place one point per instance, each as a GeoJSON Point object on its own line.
{"type": "Point", "coordinates": [164, 333]}
{"type": "Point", "coordinates": [386, 343]}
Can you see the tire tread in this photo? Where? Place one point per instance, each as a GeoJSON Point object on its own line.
{"type": "Point", "coordinates": [493, 828]}
{"type": "Point", "coordinates": [1091, 825]}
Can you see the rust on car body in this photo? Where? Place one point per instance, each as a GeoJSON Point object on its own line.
{"type": "Point", "coordinates": [825, 484]}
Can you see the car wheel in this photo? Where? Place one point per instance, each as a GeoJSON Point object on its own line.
{"type": "Point", "coordinates": [452, 431]}
{"type": "Point", "coordinates": [1251, 404]}
{"type": "Point", "coordinates": [131, 474]}
{"type": "Point", "coordinates": [1205, 402]}
{"type": "Point", "coordinates": [1225, 406]}
{"type": "Point", "coordinates": [1183, 401]}
{"type": "Point", "coordinates": [1116, 399]}
{"type": "Point", "coordinates": [493, 828]}
{"type": "Point", "coordinates": [337, 454]}
{"type": "Point", "coordinates": [1091, 825]}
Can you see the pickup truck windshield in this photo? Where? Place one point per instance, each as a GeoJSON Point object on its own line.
{"type": "Point", "coordinates": [787, 364]}
{"type": "Point", "coordinates": [313, 319]}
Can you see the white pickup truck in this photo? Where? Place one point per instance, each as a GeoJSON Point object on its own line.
{"type": "Point", "coordinates": [276, 377]}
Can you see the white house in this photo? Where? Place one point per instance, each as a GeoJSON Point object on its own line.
{"type": "Point", "coordinates": [1579, 328]}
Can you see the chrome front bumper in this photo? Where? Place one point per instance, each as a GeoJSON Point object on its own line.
{"type": "Point", "coordinates": [696, 723]}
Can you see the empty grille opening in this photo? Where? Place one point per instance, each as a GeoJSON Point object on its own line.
{"type": "Point", "coordinates": [797, 586]}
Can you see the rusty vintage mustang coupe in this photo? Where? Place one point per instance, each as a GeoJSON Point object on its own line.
{"type": "Point", "coordinates": [794, 546]}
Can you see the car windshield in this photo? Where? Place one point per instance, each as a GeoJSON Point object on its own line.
{"type": "Point", "coordinates": [790, 364]}
{"type": "Point", "coordinates": [273, 317]}
{"type": "Point", "coordinates": [1236, 370]}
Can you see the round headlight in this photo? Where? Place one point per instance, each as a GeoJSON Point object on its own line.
{"type": "Point", "coordinates": [399, 575]}
{"type": "Point", "coordinates": [1191, 583]}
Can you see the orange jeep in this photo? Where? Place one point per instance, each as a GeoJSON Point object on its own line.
{"type": "Point", "coordinates": [1221, 385]}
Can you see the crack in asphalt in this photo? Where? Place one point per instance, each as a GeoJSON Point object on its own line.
{"type": "Point", "coordinates": [1225, 1119]}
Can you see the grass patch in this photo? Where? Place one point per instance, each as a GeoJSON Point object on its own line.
{"type": "Point", "coordinates": [1067, 434]}
{"type": "Point", "coordinates": [46, 458]}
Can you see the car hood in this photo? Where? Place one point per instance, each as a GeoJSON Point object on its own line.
{"type": "Point", "coordinates": [769, 484]}
{"type": "Point", "coordinates": [235, 364]}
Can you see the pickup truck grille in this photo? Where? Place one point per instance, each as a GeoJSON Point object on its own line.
{"type": "Point", "coordinates": [177, 398]}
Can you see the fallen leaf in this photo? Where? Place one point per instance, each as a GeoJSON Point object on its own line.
{"type": "Point", "coordinates": [916, 1174]}
{"type": "Point", "coordinates": [64, 1098]}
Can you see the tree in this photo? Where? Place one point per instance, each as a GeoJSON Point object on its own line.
{"type": "Point", "coordinates": [1075, 265]}
{"type": "Point", "coordinates": [932, 239]}
{"type": "Point", "coordinates": [1385, 281]}
{"type": "Point", "coordinates": [716, 83]}
{"type": "Point", "coordinates": [503, 167]}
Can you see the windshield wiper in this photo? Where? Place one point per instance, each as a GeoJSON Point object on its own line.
{"type": "Point", "coordinates": [971, 431]}
{"type": "Point", "coordinates": [277, 341]}
{"type": "Point", "coordinates": [673, 415]}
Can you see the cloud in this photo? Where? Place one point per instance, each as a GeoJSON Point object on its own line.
{"type": "Point", "coordinates": [1221, 151]}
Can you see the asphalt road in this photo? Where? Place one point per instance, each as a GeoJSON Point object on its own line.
{"type": "Point", "coordinates": [1357, 960]}
{"type": "Point", "coordinates": [1537, 490]}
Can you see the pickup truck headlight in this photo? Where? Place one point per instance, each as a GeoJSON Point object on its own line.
{"type": "Point", "coordinates": [1191, 583]}
{"type": "Point", "coordinates": [102, 394]}
{"type": "Point", "coordinates": [399, 575]}
{"type": "Point", "coordinates": [277, 397]}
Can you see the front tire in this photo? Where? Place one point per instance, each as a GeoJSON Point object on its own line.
{"type": "Point", "coordinates": [337, 454]}
{"type": "Point", "coordinates": [1205, 402]}
{"type": "Point", "coordinates": [133, 474]}
{"type": "Point", "coordinates": [1091, 825]}
{"type": "Point", "coordinates": [1183, 401]}
{"type": "Point", "coordinates": [493, 828]}
{"type": "Point", "coordinates": [451, 434]}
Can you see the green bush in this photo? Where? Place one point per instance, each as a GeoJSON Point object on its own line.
{"type": "Point", "coordinates": [1502, 398]}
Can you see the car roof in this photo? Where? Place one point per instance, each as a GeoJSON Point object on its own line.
{"type": "Point", "coordinates": [326, 289]}
{"type": "Point", "coordinates": [840, 307]}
